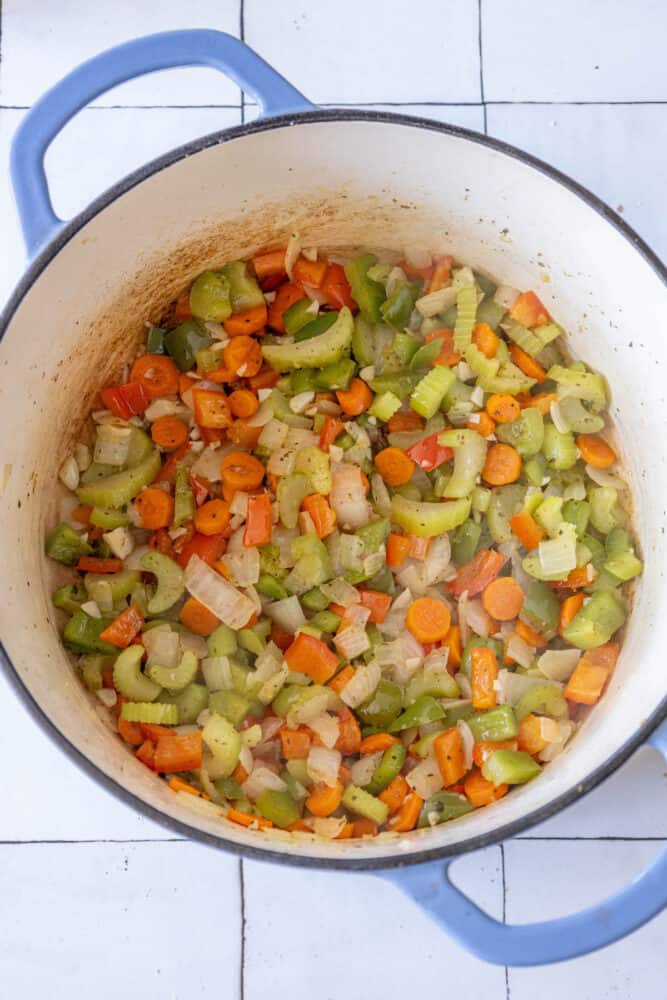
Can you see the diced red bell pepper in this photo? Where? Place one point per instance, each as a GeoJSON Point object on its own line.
{"type": "Point", "coordinates": [330, 431]}
{"type": "Point", "coordinates": [336, 288]}
{"type": "Point", "coordinates": [258, 520]}
{"type": "Point", "coordinates": [208, 547]}
{"type": "Point", "coordinates": [428, 454]}
{"type": "Point", "coordinates": [125, 401]}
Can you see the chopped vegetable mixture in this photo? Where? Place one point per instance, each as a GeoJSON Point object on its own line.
{"type": "Point", "coordinates": [349, 547]}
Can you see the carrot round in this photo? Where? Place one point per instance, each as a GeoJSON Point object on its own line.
{"type": "Point", "coordinates": [356, 399]}
{"type": "Point", "coordinates": [324, 799]}
{"type": "Point", "coordinates": [428, 619]}
{"type": "Point", "coordinates": [158, 375]}
{"type": "Point", "coordinates": [529, 366]}
{"type": "Point", "coordinates": [246, 322]}
{"type": "Point", "coordinates": [406, 817]}
{"type": "Point", "coordinates": [485, 340]}
{"type": "Point", "coordinates": [394, 794]}
{"type": "Point", "coordinates": [481, 792]}
{"type": "Point", "coordinates": [503, 598]}
{"type": "Point", "coordinates": [155, 508]}
{"type": "Point", "coordinates": [542, 401]}
{"type": "Point", "coordinates": [568, 609]}
{"type": "Point", "coordinates": [243, 403]}
{"type": "Point", "coordinates": [526, 529]}
{"type": "Point", "coordinates": [482, 423]}
{"type": "Point", "coordinates": [212, 517]}
{"type": "Point", "coordinates": [503, 408]}
{"type": "Point", "coordinates": [242, 471]}
{"type": "Point", "coordinates": [448, 356]}
{"type": "Point", "coordinates": [530, 738]}
{"type": "Point", "coordinates": [198, 618]}
{"type": "Point", "coordinates": [502, 465]}
{"type": "Point", "coordinates": [595, 451]}
{"type": "Point", "coordinates": [169, 433]}
{"type": "Point", "coordinates": [243, 356]}
{"type": "Point", "coordinates": [394, 466]}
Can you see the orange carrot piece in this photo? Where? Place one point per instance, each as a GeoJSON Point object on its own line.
{"type": "Point", "coordinates": [90, 564]}
{"type": "Point", "coordinates": [155, 508]}
{"type": "Point", "coordinates": [195, 616]}
{"type": "Point", "coordinates": [595, 451]}
{"type": "Point", "coordinates": [211, 408]}
{"type": "Point", "coordinates": [245, 323]}
{"type": "Point", "coordinates": [212, 517]}
{"type": "Point", "coordinates": [448, 356]}
{"type": "Point", "coordinates": [484, 671]}
{"type": "Point", "coordinates": [309, 272]}
{"type": "Point", "coordinates": [146, 754]}
{"type": "Point", "coordinates": [542, 401]}
{"type": "Point", "coordinates": [169, 433]}
{"type": "Point", "coordinates": [377, 742]}
{"type": "Point", "coordinates": [178, 785]}
{"type": "Point", "coordinates": [503, 598]}
{"type": "Point", "coordinates": [208, 547]}
{"type": "Point", "coordinates": [258, 520]}
{"type": "Point", "coordinates": [245, 819]}
{"type": "Point", "coordinates": [407, 816]}
{"type": "Point", "coordinates": [322, 515]}
{"type": "Point", "coordinates": [349, 737]}
{"type": "Point", "coordinates": [452, 642]}
{"type": "Point", "coordinates": [394, 466]}
{"type": "Point", "coordinates": [286, 296]}
{"type": "Point", "coordinates": [530, 738]}
{"type": "Point", "coordinates": [481, 792]}
{"type": "Point", "coordinates": [483, 750]}
{"type": "Point", "coordinates": [428, 619]}
{"type": "Point", "coordinates": [82, 514]}
{"type": "Point", "coordinates": [485, 340]}
{"type": "Point", "coordinates": [398, 547]}
{"type": "Point", "coordinates": [268, 265]}
{"type": "Point", "coordinates": [356, 399]}
{"type": "Point", "coordinates": [527, 530]}
{"type": "Point", "coordinates": [477, 574]}
{"type": "Point", "coordinates": [448, 750]}
{"type": "Point", "coordinates": [529, 635]}
{"type": "Point", "coordinates": [265, 378]}
{"type": "Point", "coordinates": [503, 408]}
{"type": "Point", "coordinates": [336, 288]}
{"type": "Point", "coordinates": [442, 272]}
{"type": "Point", "coordinates": [338, 682]}
{"type": "Point", "coordinates": [576, 579]}
{"type": "Point", "coordinates": [130, 732]}
{"type": "Point", "coordinates": [124, 627]}
{"type": "Point", "coordinates": [568, 609]}
{"type": "Point", "coordinates": [243, 356]}
{"type": "Point", "coordinates": [324, 799]}
{"type": "Point", "coordinates": [242, 471]}
{"type": "Point", "coordinates": [157, 374]}
{"type": "Point", "coordinates": [394, 794]}
{"type": "Point", "coordinates": [178, 752]}
{"type": "Point", "coordinates": [529, 311]}
{"type": "Point", "coordinates": [364, 827]}
{"type": "Point", "coordinates": [377, 602]}
{"type": "Point", "coordinates": [330, 432]}
{"type": "Point", "coordinates": [295, 743]}
{"type": "Point", "coordinates": [482, 423]}
{"type": "Point", "coordinates": [591, 674]}
{"type": "Point", "coordinates": [502, 465]}
{"type": "Point", "coordinates": [529, 366]}
{"type": "Point", "coordinates": [243, 403]}
{"type": "Point", "coordinates": [311, 656]}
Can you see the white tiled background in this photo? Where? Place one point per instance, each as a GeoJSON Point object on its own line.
{"type": "Point", "coordinates": [97, 901]}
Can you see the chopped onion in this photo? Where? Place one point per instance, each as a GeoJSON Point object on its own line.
{"type": "Point", "coordinates": [511, 686]}
{"type": "Point", "coordinates": [269, 727]}
{"type": "Point", "coordinates": [559, 421]}
{"type": "Point", "coordinates": [310, 709]}
{"type": "Point", "coordinates": [107, 696]}
{"type": "Point", "coordinates": [68, 473]}
{"type": "Point", "coordinates": [260, 779]}
{"type": "Point", "coordinates": [167, 406]}
{"type": "Point", "coordinates": [352, 642]}
{"type": "Point", "coordinates": [120, 541]}
{"type": "Point", "coordinates": [287, 614]}
{"type": "Point", "coordinates": [362, 770]}
{"type": "Point", "coordinates": [267, 663]}
{"type": "Point", "coordinates": [300, 437]}
{"type": "Point", "coordinates": [348, 497]}
{"type": "Point", "coordinates": [425, 778]}
{"type": "Point", "coordinates": [418, 257]}
{"type": "Point", "coordinates": [552, 749]}
{"type": "Point", "coordinates": [208, 464]}
{"type": "Point", "coordinates": [162, 646]}
{"type": "Point", "coordinates": [281, 462]}
{"type": "Point", "coordinates": [464, 685]}
{"type": "Point", "coordinates": [82, 456]}
{"type": "Point", "coordinates": [362, 685]}
{"type": "Point", "coordinates": [273, 435]}
{"type": "Point", "coordinates": [519, 650]}
{"type": "Point", "coordinates": [300, 402]}
{"type": "Point", "coordinates": [323, 764]}
{"type": "Point", "coordinates": [437, 302]}
{"type": "Point", "coordinates": [575, 491]}
{"type": "Point", "coordinates": [270, 688]}
{"type": "Point", "coordinates": [283, 538]}
{"type": "Point", "coordinates": [217, 673]}
{"type": "Point", "coordinates": [477, 617]}
{"type": "Point", "coordinates": [601, 477]}
{"type": "Point", "coordinates": [505, 296]}
{"type": "Point", "coordinates": [327, 728]}
{"type": "Point", "coordinates": [328, 826]}
{"type": "Point", "coordinates": [358, 614]}
{"type": "Point", "coordinates": [112, 445]}
{"type": "Point", "coordinates": [468, 741]}
{"type": "Point", "coordinates": [243, 566]}
{"type": "Point", "coordinates": [462, 608]}
{"type": "Point", "coordinates": [292, 252]}
{"type": "Point", "coordinates": [263, 415]}
{"type": "Point", "coordinates": [223, 600]}
{"type": "Point", "coordinates": [437, 659]}
{"type": "Point", "coordinates": [380, 494]}
{"type": "Point", "coordinates": [559, 664]}
{"type": "Point", "coordinates": [91, 608]}
{"type": "Point", "coordinates": [341, 592]}
{"type": "Point", "coordinates": [394, 623]}
{"type": "Point", "coordinates": [245, 758]}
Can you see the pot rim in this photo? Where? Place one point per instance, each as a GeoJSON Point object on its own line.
{"type": "Point", "coordinates": [41, 262]}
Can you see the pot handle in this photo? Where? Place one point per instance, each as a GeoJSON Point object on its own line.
{"type": "Point", "coordinates": [430, 886]}
{"type": "Point", "coordinates": [166, 50]}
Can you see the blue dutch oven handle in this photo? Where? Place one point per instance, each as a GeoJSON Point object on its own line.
{"type": "Point", "coordinates": [429, 885]}
{"type": "Point", "coordinates": [166, 50]}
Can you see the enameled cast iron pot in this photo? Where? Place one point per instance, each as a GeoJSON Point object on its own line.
{"type": "Point", "coordinates": [341, 178]}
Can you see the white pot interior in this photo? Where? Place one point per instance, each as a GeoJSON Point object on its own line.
{"type": "Point", "coordinates": [340, 183]}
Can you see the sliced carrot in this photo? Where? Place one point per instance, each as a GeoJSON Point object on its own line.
{"type": "Point", "coordinates": [442, 273]}
{"type": "Point", "coordinates": [477, 574]}
{"type": "Point", "coordinates": [212, 517]}
{"type": "Point", "coordinates": [530, 738]}
{"type": "Point", "coordinates": [295, 743]}
{"type": "Point", "coordinates": [246, 323]}
{"type": "Point", "coordinates": [591, 674]}
{"type": "Point", "coordinates": [428, 619]}
{"type": "Point", "coordinates": [270, 264]}
{"type": "Point", "coordinates": [130, 732]}
{"type": "Point", "coordinates": [246, 819]}
{"type": "Point", "coordinates": [356, 399]}
{"type": "Point", "coordinates": [448, 356]}
{"type": "Point", "coordinates": [243, 356]}
{"type": "Point", "coordinates": [330, 431]}
{"type": "Point", "coordinates": [407, 816]}
{"type": "Point", "coordinates": [124, 627]}
{"type": "Point", "coordinates": [155, 508]}
{"type": "Point", "coordinates": [242, 471]}
{"type": "Point", "coordinates": [568, 609]}
{"type": "Point", "coordinates": [395, 467]}
{"type": "Point", "coordinates": [195, 616]}
{"type": "Point", "coordinates": [542, 401]}
{"type": "Point", "coordinates": [482, 423]}
{"type": "Point", "coordinates": [503, 598]}
{"type": "Point", "coordinates": [483, 750]}
{"type": "Point", "coordinates": [450, 757]}
{"type": "Point", "coordinates": [211, 408]}
{"type": "Point", "coordinates": [394, 794]}
{"type": "Point", "coordinates": [452, 642]}
{"type": "Point", "coordinates": [529, 366]}
{"type": "Point", "coordinates": [324, 799]}
{"type": "Point", "coordinates": [346, 833]}
{"type": "Point", "coordinates": [364, 827]}
{"type": "Point", "coordinates": [377, 602]}
{"type": "Point", "coordinates": [178, 752]}
{"type": "Point", "coordinates": [595, 451]}
{"type": "Point", "coordinates": [309, 272]}
{"type": "Point", "coordinates": [336, 288]}
{"type": "Point", "coordinates": [527, 530]}
{"type": "Point", "coordinates": [377, 742]}
{"type": "Point", "coordinates": [258, 520]}
{"type": "Point", "coordinates": [349, 735]}
{"type": "Point", "coordinates": [90, 564]}
{"type": "Point", "coordinates": [311, 656]}
{"type": "Point", "coordinates": [243, 403]}
{"type": "Point", "coordinates": [146, 754]}
{"type": "Point", "coordinates": [503, 408]}
{"type": "Point", "coordinates": [169, 433]}
{"type": "Point", "coordinates": [342, 678]}
{"type": "Point", "coordinates": [239, 773]}
{"type": "Point", "coordinates": [82, 513]}
{"type": "Point", "coordinates": [576, 579]}
{"type": "Point", "coordinates": [529, 311]}
{"type": "Point", "coordinates": [398, 548]}
{"type": "Point", "coordinates": [286, 296]}
{"type": "Point", "coordinates": [322, 515]}
{"type": "Point", "coordinates": [243, 434]}
{"type": "Point", "coordinates": [207, 547]}
{"type": "Point", "coordinates": [265, 378]}
{"type": "Point", "coordinates": [485, 340]}
{"type": "Point", "coordinates": [182, 307]}
{"type": "Point", "coordinates": [484, 672]}
{"type": "Point", "coordinates": [481, 792]}
{"type": "Point", "coordinates": [529, 635]}
{"type": "Point", "coordinates": [502, 465]}
{"type": "Point", "coordinates": [157, 374]}
{"type": "Point", "coordinates": [405, 420]}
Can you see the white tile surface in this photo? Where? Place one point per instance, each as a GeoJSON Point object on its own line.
{"type": "Point", "coordinates": [372, 50]}
{"type": "Point", "coordinates": [599, 50]}
{"type": "Point", "coordinates": [41, 42]}
{"type": "Point", "coordinates": [128, 920]}
{"type": "Point", "coordinates": [613, 150]}
{"type": "Point", "coordinates": [310, 934]}
{"type": "Point", "coordinates": [563, 878]}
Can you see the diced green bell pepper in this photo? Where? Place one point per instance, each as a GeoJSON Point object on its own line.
{"type": "Point", "coordinates": [268, 586]}
{"type": "Point", "coordinates": [70, 597]}
{"type": "Point", "coordinates": [442, 807]}
{"type": "Point", "coordinates": [397, 308]}
{"type": "Point", "coordinates": [425, 709]}
{"type": "Point", "coordinates": [244, 290]}
{"type": "Point", "coordinates": [390, 765]}
{"type": "Point", "coordinates": [497, 724]}
{"type": "Point", "coordinates": [542, 699]}
{"type": "Point", "coordinates": [540, 607]}
{"type": "Point", "coordinates": [82, 634]}
{"type": "Point", "coordinates": [155, 340]}
{"type": "Point", "coordinates": [384, 707]}
{"type": "Point", "coordinates": [337, 375]}
{"type": "Point", "coordinates": [465, 541]}
{"type": "Point", "coordinates": [595, 623]}
{"type": "Point", "coordinates": [316, 327]}
{"type": "Point", "coordinates": [183, 342]}
{"type": "Point", "coordinates": [298, 316]}
{"type": "Point", "coordinates": [369, 295]}
{"type": "Point", "coordinates": [66, 545]}
{"type": "Point", "coordinates": [510, 767]}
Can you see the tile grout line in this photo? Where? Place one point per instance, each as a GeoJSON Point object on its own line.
{"type": "Point", "coordinates": [242, 37]}
{"type": "Point", "coordinates": [503, 872]}
{"type": "Point", "coordinates": [481, 63]}
{"type": "Point", "coordinates": [243, 929]}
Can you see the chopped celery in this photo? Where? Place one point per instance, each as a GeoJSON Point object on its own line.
{"type": "Point", "coordinates": [510, 379]}
{"type": "Point", "coordinates": [174, 678]}
{"type": "Point", "coordinates": [384, 707]}
{"type": "Point", "coordinates": [482, 366]}
{"type": "Point", "coordinates": [442, 807]}
{"type": "Point", "coordinates": [497, 724]}
{"type": "Point", "coordinates": [269, 561]}
{"type": "Point", "coordinates": [505, 502]}
{"type": "Point", "coordinates": [230, 704]}
{"type": "Point", "coordinates": [555, 556]}
{"type": "Point", "coordinates": [224, 743]}
{"type": "Point", "coordinates": [606, 512]}
{"type": "Point", "coordinates": [466, 310]}
{"type": "Point", "coordinates": [481, 498]}
{"type": "Point", "coordinates": [540, 607]}
{"type": "Point", "coordinates": [522, 337]}
{"type": "Point", "coordinates": [361, 802]}
{"type": "Point", "coordinates": [430, 391]}
{"type": "Point", "coordinates": [314, 600]}
{"type": "Point", "coordinates": [578, 418]}
{"type": "Point", "coordinates": [429, 519]}
{"type": "Point", "coordinates": [277, 806]}
{"type": "Point", "coordinates": [542, 699]}
{"type": "Point", "coordinates": [595, 623]}
{"type": "Point", "coordinates": [465, 542]}
{"type": "Point", "coordinates": [559, 449]}
{"type": "Point", "coordinates": [252, 639]}
{"type": "Point", "coordinates": [621, 560]}
{"type": "Point", "coordinates": [268, 586]}
{"type": "Point", "coordinates": [549, 515]}
{"type": "Point", "coordinates": [582, 385]}
{"type": "Point", "coordinates": [490, 312]}
{"type": "Point", "coordinates": [424, 709]}
{"type": "Point", "coordinates": [108, 518]}
{"type": "Point", "coordinates": [525, 434]}
{"type": "Point", "coordinates": [116, 585]}
{"type": "Point", "coordinates": [244, 291]}
{"type": "Point", "coordinates": [374, 534]}
{"type": "Point", "coordinates": [536, 469]}
{"type": "Point", "coordinates": [66, 545]}
{"type": "Point", "coordinates": [70, 597]}
{"type": "Point", "coordinates": [369, 295]}
{"type": "Point", "coordinates": [326, 621]}
{"type": "Point", "coordinates": [128, 678]}
{"type": "Point", "coordinates": [384, 406]}
{"type": "Point", "coordinates": [119, 488]}
{"type": "Point", "coordinates": [82, 634]}
{"type": "Point", "coordinates": [390, 765]}
{"type": "Point", "coordinates": [315, 464]}
{"type": "Point", "coordinates": [399, 383]}
{"type": "Point", "coordinates": [312, 565]}
{"type": "Point", "coordinates": [149, 712]}
{"type": "Point", "coordinates": [170, 581]}
{"type": "Point", "coordinates": [189, 703]}
{"type": "Point", "coordinates": [597, 550]}
{"type": "Point", "coordinates": [184, 501]}
{"type": "Point", "coordinates": [222, 642]}
{"type": "Point", "coordinates": [455, 710]}
{"type": "Point", "coordinates": [317, 352]}
{"type": "Point", "coordinates": [291, 492]}
{"type": "Point", "coordinates": [469, 456]}
{"type": "Point", "coordinates": [228, 788]}
{"type": "Point", "coordinates": [363, 341]}
{"type": "Point", "coordinates": [91, 667]}
{"type": "Point", "coordinates": [437, 683]}
{"type": "Point", "coordinates": [510, 767]}
{"type": "Point", "coordinates": [577, 512]}
{"type": "Point", "coordinates": [337, 375]}
{"type": "Point", "coordinates": [210, 297]}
